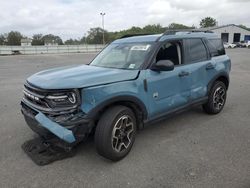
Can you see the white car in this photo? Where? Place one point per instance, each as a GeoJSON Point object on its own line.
{"type": "Point", "coordinates": [248, 44]}
{"type": "Point", "coordinates": [229, 45]}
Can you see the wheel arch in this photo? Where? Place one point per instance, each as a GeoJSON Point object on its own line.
{"type": "Point", "coordinates": [224, 77]}
{"type": "Point", "coordinates": [135, 104]}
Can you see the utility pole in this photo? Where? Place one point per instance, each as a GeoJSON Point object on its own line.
{"type": "Point", "coordinates": [85, 38]}
{"type": "Point", "coordinates": [103, 14]}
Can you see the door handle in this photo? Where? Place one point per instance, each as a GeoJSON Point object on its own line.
{"type": "Point", "coordinates": [183, 73]}
{"type": "Point", "coordinates": [210, 66]}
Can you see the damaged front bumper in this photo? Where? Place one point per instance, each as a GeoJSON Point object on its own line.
{"type": "Point", "coordinates": [55, 128]}
{"type": "Point", "coordinates": [70, 128]}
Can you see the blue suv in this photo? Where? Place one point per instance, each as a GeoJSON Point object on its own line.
{"type": "Point", "coordinates": [134, 81]}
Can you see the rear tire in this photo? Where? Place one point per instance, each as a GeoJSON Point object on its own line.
{"type": "Point", "coordinates": [115, 133]}
{"type": "Point", "coordinates": [216, 98]}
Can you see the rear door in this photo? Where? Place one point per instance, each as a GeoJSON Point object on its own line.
{"type": "Point", "coordinates": [200, 65]}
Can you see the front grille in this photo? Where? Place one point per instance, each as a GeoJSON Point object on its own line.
{"type": "Point", "coordinates": [37, 99]}
{"type": "Point", "coordinates": [34, 89]}
{"type": "Point", "coordinates": [35, 96]}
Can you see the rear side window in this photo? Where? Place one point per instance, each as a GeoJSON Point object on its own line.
{"type": "Point", "coordinates": [195, 50]}
{"type": "Point", "coordinates": [216, 47]}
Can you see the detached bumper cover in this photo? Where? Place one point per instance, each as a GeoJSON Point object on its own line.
{"type": "Point", "coordinates": [55, 128]}
{"type": "Point", "coordinates": [71, 131]}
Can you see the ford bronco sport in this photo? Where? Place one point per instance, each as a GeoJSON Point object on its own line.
{"type": "Point", "coordinates": [133, 81]}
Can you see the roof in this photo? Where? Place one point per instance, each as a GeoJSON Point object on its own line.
{"type": "Point", "coordinates": [162, 37]}
{"type": "Point", "coordinates": [216, 27]}
{"type": "Point", "coordinates": [143, 38]}
{"type": "Point", "coordinates": [189, 35]}
{"type": "Point", "coordinates": [222, 26]}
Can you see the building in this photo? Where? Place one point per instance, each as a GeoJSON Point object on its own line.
{"type": "Point", "coordinates": [231, 33]}
{"type": "Point", "coordinates": [26, 42]}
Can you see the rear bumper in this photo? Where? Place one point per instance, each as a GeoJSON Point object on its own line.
{"type": "Point", "coordinates": [70, 131]}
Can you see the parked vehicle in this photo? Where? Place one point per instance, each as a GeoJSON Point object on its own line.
{"type": "Point", "coordinates": [229, 45]}
{"type": "Point", "coordinates": [248, 44]}
{"type": "Point", "coordinates": [238, 45]}
{"type": "Point", "coordinates": [241, 44]}
{"type": "Point", "coordinates": [134, 81]}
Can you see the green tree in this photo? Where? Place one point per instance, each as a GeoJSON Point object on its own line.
{"type": "Point", "coordinates": [148, 29]}
{"type": "Point", "coordinates": [135, 30]}
{"type": "Point", "coordinates": [95, 35]}
{"type": "Point", "coordinates": [208, 22]}
{"type": "Point", "coordinates": [69, 42]}
{"type": "Point", "coordinates": [83, 40]}
{"type": "Point", "coordinates": [3, 39]}
{"type": "Point", "coordinates": [154, 29]}
{"type": "Point", "coordinates": [14, 38]}
{"type": "Point", "coordinates": [72, 42]}
{"type": "Point", "coordinates": [52, 39]}
{"type": "Point", "coordinates": [37, 39]}
{"type": "Point", "coordinates": [179, 26]}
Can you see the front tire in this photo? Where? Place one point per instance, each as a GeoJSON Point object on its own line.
{"type": "Point", "coordinates": [216, 99]}
{"type": "Point", "coordinates": [115, 133]}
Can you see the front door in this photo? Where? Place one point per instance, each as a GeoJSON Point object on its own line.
{"type": "Point", "coordinates": [168, 90]}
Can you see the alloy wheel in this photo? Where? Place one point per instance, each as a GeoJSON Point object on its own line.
{"type": "Point", "coordinates": [122, 133]}
{"type": "Point", "coordinates": [219, 98]}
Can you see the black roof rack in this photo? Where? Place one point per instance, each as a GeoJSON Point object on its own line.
{"type": "Point", "coordinates": [169, 32]}
{"type": "Point", "coordinates": [134, 35]}
{"type": "Point", "coordinates": [174, 31]}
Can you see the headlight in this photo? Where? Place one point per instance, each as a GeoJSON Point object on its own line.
{"type": "Point", "coordinates": [63, 99]}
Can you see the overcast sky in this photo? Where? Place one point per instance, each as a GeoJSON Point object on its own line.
{"type": "Point", "coordinates": [73, 18]}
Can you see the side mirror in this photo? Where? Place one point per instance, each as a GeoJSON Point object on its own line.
{"type": "Point", "coordinates": [163, 65]}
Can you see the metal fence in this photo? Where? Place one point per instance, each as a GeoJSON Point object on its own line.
{"type": "Point", "coordinates": [10, 50]}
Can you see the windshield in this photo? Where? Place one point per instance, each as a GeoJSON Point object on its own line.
{"type": "Point", "coordinates": [122, 56]}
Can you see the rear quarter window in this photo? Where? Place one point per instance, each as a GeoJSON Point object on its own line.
{"type": "Point", "coordinates": [195, 50]}
{"type": "Point", "coordinates": [216, 47]}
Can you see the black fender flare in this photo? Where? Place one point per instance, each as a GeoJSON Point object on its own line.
{"type": "Point", "coordinates": [116, 100]}
{"type": "Point", "coordinates": [221, 74]}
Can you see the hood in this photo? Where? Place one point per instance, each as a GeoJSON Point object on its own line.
{"type": "Point", "coordinates": [79, 76]}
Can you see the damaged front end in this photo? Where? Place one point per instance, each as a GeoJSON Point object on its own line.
{"type": "Point", "coordinates": [55, 114]}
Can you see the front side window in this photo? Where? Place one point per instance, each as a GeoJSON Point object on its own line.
{"type": "Point", "coordinates": [170, 51]}
{"type": "Point", "coordinates": [123, 56]}
{"type": "Point", "coordinates": [195, 50]}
